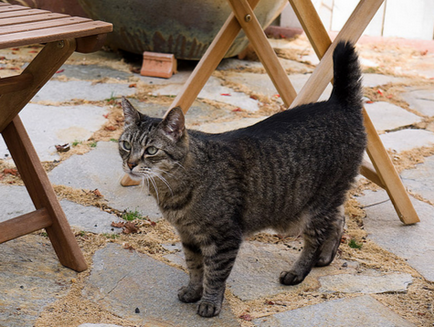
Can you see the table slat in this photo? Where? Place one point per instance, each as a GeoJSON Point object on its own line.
{"type": "Point", "coordinates": [19, 13]}
{"type": "Point", "coordinates": [55, 34]}
{"type": "Point", "coordinates": [29, 19]}
{"type": "Point", "coordinates": [17, 28]}
{"type": "Point", "coordinates": [12, 8]}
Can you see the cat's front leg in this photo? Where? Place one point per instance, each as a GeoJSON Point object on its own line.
{"type": "Point", "coordinates": [217, 267]}
{"type": "Point", "coordinates": [194, 260]}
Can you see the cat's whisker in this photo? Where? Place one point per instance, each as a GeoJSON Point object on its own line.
{"type": "Point", "coordinates": [167, 173]}
{"type": "Point", "coordinates": [161, 172]}
{"type": "Point", "coordinates": [165, 182]}
{"type": "Point", "coordinates": [154, 184]}
{"type": "Point", "coordinates": [180, 165]}
{"type": "Point", "coordinates": [144, 187]}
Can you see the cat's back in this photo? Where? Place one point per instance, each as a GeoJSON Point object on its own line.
{"type": "Point", "coordinates": [317, 122]}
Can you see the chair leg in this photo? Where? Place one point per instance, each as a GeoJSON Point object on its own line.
{"type": "Point", "coordinates": [351, 31]}
{"type": "Point", "coordinates": [265, 52]}
{"type": "Point", "coordinates": [388, 175]}
{"type": "Point", "coordinates": [43, 195]}
{"type": "Point", "coordinates": [209, 62]}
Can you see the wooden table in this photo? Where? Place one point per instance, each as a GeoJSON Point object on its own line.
{"type": "Point", "coordinates": [381, 171]}
{"type": "Point", "coordinates": [62, 35]}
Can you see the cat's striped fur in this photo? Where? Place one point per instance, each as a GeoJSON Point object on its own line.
{"type": "Point", "coordinates": [291, 170]}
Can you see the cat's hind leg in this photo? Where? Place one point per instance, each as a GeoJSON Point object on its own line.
{"type": "Point", "coordinates": [303, 265]}
{"type": "Point", "coordinates": [320, 245]}
{"type": "Point", "coordinates": [333, 239]}
{"type": "Point", "coordinates": [194, 260]}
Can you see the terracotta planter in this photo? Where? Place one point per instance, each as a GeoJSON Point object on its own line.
{"type": "Point", "coordinates": [185, 28]}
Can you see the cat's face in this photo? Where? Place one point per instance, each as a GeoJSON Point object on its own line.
{"type": "Point", "coordinates": [150, 147]}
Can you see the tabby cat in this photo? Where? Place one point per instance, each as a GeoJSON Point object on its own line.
{"type": "Point", "coordinates": [290, 171]}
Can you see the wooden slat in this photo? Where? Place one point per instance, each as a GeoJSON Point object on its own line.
{"type": "Point", "coordinates": [15, 83]}
{"type": "Point", "coordinates": [55, 34]}
{"type": "Point", "coordinates": [12, 8]}
{"type": "Point", "coordinates": [17, 28]}
{"type": "Point", "coordinates": [32, 18]}
{"type": "Point", "coordinates": [25, 224]}
{"type": "Point", "coordinates": [20, 13]}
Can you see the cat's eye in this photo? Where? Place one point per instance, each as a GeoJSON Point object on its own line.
{"type": "Point", "coordinates": [151, 150]}
{"type": "Point", "coordinates": [126, 145]}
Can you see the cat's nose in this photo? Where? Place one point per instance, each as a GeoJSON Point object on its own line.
{"type": "Point", "coordinates": [131, 165]}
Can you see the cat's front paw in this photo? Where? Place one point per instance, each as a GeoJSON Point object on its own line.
{"type": "Point", "coordinates": [188, 294]}
{"type": "Point", "coordinates": [290, 278]}
{"type": "Point", "coordinates": [208, 309]}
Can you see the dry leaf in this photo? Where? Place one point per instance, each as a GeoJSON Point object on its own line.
{"type": "Point", "coordinates": [246, 317]}
{"type": "Point", "coordinates": [130, 228]}
{"type": "Point", "coordinates": [118, 224]}
{"type": "Point", "coordinates": [11, 171]}
{"type": "Point", "coordinates": [128, 246]}
{"type": "Point", "coordinates": [63, 148]}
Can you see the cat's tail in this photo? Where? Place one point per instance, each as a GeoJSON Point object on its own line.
{"type": "Point", "coordinates": [347, 89]}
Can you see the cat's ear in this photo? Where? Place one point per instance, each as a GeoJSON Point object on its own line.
{"type": "Point", "coordinates": [173, 124]}
{"type": "Point", "coordinates": [131, 115]}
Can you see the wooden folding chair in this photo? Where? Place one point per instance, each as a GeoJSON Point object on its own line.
{"type": "Point", "coordinates": [62, 35]}
{"type": "Point", "coordinates": [382, 172]}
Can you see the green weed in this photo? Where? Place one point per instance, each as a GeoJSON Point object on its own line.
{"type": "Point", "coordinates": [354, 244]}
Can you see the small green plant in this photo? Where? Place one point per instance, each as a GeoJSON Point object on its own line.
{"type": "Point", "coordinates": [114, 140]}
{"type": "Point", "coordinates": [75, 143]}
{"type": "Point", "coordinates": [93, 144]}
{"type": "Point", "coordinates": [110, 236]}
{"type": "Point", "coordinates": [131, 215]}
{"type": "Point", "coordinates": [112, 98]}
{"type": "Point", "coordinates": [354, 244]}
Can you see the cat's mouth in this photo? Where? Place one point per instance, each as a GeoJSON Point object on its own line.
{"type": "Point", "coordinates": [135, 176]}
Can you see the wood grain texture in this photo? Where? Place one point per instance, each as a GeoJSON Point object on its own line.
{"type": "Point", "coordinates": [23, 225]}
{"type": "Point", "coordinates": [43, 196]}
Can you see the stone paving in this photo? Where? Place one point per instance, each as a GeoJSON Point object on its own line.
{"type": "Point", "coordinates": [139, 288]}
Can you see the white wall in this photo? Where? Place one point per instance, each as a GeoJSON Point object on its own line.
{"type": "Point", "coordinates": [413, 19]}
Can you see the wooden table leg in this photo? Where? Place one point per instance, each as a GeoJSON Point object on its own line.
{"type": "Point", "coordinates": [49, 214]}
{"type": "Point", "coordinates": [385, 174]}
{"type": "Point", "coordinates": [42, 195]}
{"type": "Point", "coordinates": [42, 68]}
